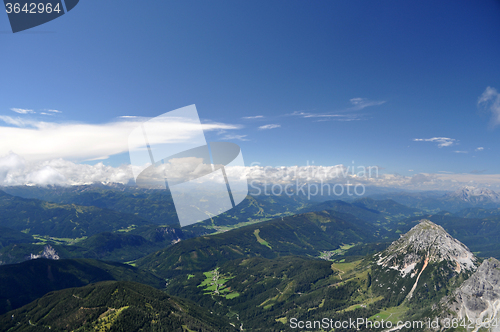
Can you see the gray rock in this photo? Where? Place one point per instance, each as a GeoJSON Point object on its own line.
{"type": "Point", "coordinates": [478, 298]}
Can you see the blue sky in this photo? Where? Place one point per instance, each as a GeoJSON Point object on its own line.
{"type": "Point", "coordinates": [341, 81]}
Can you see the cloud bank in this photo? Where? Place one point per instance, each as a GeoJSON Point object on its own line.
{"type": "Point", "coordinates": [15, 170]}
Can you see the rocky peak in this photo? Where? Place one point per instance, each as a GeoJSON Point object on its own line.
{"type": "Point", "coordinates": [426, 242]}
{"type": "Point", "coordinates": [473, 194]}
{"type": "Point", "coordinates": [48, 252]}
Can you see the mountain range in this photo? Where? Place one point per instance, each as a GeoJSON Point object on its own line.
{"type": "Point", "coordinates": [269, 262]}
{"type": "Point", "coordinates": [431, 201]}
{"type": "Point", "coordinates": [112, 306]}
{"type": "Point", "coordinates": [475, 195]}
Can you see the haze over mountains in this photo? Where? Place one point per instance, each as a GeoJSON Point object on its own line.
{"type": "Point", "coordinates": [270, 259]}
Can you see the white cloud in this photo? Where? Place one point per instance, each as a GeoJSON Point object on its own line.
{"type": "Point", "coordinates": [480, 148]}
{"type": "Point", "coordinates": [328, 116]}
{"type": "Point", "coordinates": [42, 140]}
{"type": "Point", "coordinates": [442, 141]}
{"type": "Point", "coordinates": [269, 126]}
{"type": "Point", "coordinates": [54, 111]}
{"type": "Point", "coordinates": [253, 117]}
{"type": "Point", "coordinates": [22, 110]}
{"type": "Point", "coordinates": [237, 137]}
{"type": "Point", "coordinates": [360, 103]}
{"type": "Point", "coordinates": [318, 115]}
{"type": "Point", "coordinates": [342, 115]}
{"type": "Point", "coordinates": [211, 126]}
{"type": "Point", "coordinates": [458, 151]}
{"type": "Point", "coordinates": [490, 101]}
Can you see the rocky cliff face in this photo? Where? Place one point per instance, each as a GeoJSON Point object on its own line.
{"type": "Point", "coordinates": [478, 298]}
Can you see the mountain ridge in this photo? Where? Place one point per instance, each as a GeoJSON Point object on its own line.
{"type": "Point", "coordinates": [112, 306]}
{"type": "Point", "coordinates": [24, 282]}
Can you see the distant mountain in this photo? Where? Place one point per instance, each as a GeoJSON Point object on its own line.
{"type": "Point", "coordinates": [156, 206]}
{"type": "Point", "coordinates": [475, 195]}
{"type": "Point", "coordinates": [388, 207]}
{"type": "Point", "coordinates": [9, 239]}
{"type": "Point", "coordinates": [18, 253]}
{"type": "Point", "coordinates": [157, 234]}
{"type": "Point", "coordinates": [368, 209]}
{"type": "Point", "coordinates": [305, 234]}
{"type": "Point", "coordinates": [477, 213]}
{"type": "Point", "coordinates": [463, 198]}
{"type": "Point", "coordinates": [24, 282]}
{"type": "Point", "coordinates": [408, 198]}
{"type": "Point", "coordinates": [112, 306]}
{"type": "Point", "coordinates": [422, 265]}
{"type": "Point", "coordinates": [117, 246]}
{"type": "Point", "coordinates": [384, 215]}
{"type": "Point", "coordinates": [34, 216]}
{"type": "Point", "coordinates": [122, 246]}
{"type": "Point", "coordinates": [129, 246]}
{"type": "Point", "coordinates": [361, 212]}
{"type": "Point", "coordinates": [9, 236]}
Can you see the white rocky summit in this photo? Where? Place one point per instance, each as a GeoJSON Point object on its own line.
{"type": "Point", "coordinates": [426, 242]}
{"type": "Point", "coordinates": [48, 252]}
